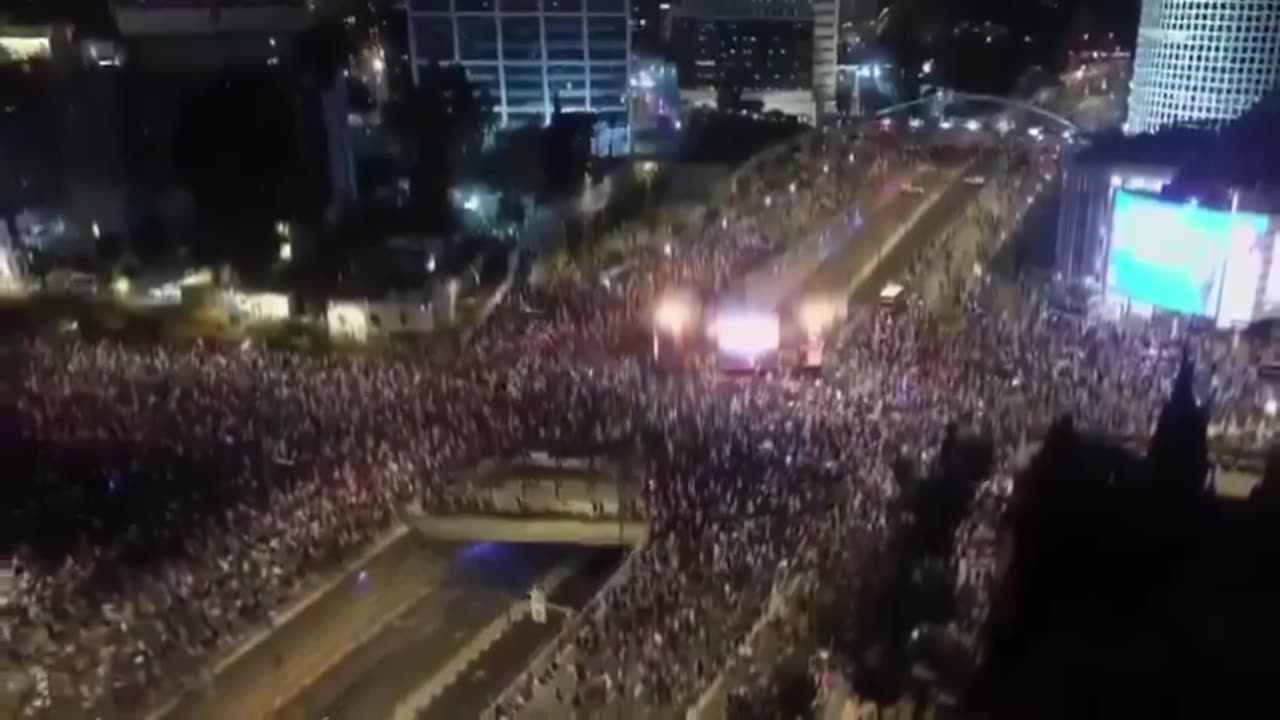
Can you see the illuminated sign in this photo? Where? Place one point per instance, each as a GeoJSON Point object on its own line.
{"type": "Point", "coordinates": [1189, 259]}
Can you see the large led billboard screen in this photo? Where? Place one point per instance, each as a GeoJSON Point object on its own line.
{"type": "Point", "coordinates": [1186, 258]}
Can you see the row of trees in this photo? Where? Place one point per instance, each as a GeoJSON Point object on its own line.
{"type": "Point", "coordinates": [1127, 588]}
{"type": "Point", "coordinates": [908, 586]}
{"type": "Point", "coordinates": [1117, 572]}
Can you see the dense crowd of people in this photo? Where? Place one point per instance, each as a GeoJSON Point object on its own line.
{"type": "Point", "coordinates": [169, 499]}
{"type": "Point", "coordinates": [908, 373]}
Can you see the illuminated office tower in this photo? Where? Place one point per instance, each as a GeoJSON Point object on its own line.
{"type": "Point", "coordinates": [781, 52]}
{"type": "Point", "coordinates": [528, 53]}
{"type": "Point", "coordinates": [826, 37]}
{"type": "Point", "coordinates": [1202, 61]}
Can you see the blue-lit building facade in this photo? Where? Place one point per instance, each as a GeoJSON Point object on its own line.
{"type": "Point", "coordinates": [530, 53]}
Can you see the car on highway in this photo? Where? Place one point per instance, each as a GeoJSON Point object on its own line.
{"type": "Point", "coordinates": [975, 180]}
{"type": "Point", "coordinates": [912, 189]}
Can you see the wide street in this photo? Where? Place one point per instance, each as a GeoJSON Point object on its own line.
{"type": "Point", "coordinates": [298, 649]}
{"type": "Point", "coordinates": [360, 649]}
{"type": "Point", "coordinates": [483, 584]}
{"type": "Point", "coordinates": [768, 282]}
{"type": "Point", "coordinates": [848, 273]}
{"type": "Point", "coordinates": [857, 274]}
{"type": "Point", "coordinates": [503, 662]}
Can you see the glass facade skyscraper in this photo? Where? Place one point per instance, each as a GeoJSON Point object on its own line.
{"type": "Point", "coordinates": [1202, 61]}
{"type": "Point", "coordinates": [529, 53]}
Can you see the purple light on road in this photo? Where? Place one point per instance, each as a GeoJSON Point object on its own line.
{"type": "Point", "coordinates": [482, 550]}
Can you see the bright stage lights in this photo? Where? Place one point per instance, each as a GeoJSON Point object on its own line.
{"type": "Point", "coordinates": [747, 334]}
{"type": "Point", "coordinates": [673, 315]}
{"type": "Point", "coordinates": [816, 316]}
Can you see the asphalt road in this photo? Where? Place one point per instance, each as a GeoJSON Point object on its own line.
{"type": "Point", "coordinates": [773, 276]}
{"type": "Point", "coordinates": [832, 279]}
{"type": "Point", "coordinates": [504, 661]}
{"type": "Point", "coordinates": [350, 661]}
{"type": "Point", "coordinates": [300, 649]}
{"type": "Point", "coordinates": [953, 202]}
{"type": "Point", "coordinates": [481, 585]}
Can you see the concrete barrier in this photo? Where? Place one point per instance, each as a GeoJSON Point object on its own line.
{"type": "Point", "coordinates": [493, 528]}
{"type": "Point", "coordinates": [584, 499]}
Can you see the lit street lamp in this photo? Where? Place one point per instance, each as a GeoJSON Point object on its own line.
{"type": "Point", "coordinates": [816, 316]}
{"type": "Point", "coordinates": [672, 315]}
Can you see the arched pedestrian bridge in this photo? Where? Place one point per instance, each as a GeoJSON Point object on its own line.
{"type": "Point", "coordinates": [948, 97]}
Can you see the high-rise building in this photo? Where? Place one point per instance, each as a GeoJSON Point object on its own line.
{"type": "Point", "coordinates": [826, 52]}
{"type": "Point", "coordinates": [192, 66]}
{"type": "Point", "coordinates": [760, 48]}
{"type": "Point", "coordinates": [531, 54]}
{"type": "Point", "coordinates": [59, 161]}
{"type": "Point", "coordinates": [650, 26]}
{"type": "Point", "coordinates": [1202, 61]}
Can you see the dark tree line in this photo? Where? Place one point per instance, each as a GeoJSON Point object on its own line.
{"type": "Point", "coordinates": [1130, 589]}
{"type": "Point", "coordinates": [911, 586]}
{"type": "Point", "coordinates": [1125, 587]}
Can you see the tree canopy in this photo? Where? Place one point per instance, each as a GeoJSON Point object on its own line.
{"type": "Point", "coordinates": [1131, 589]}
